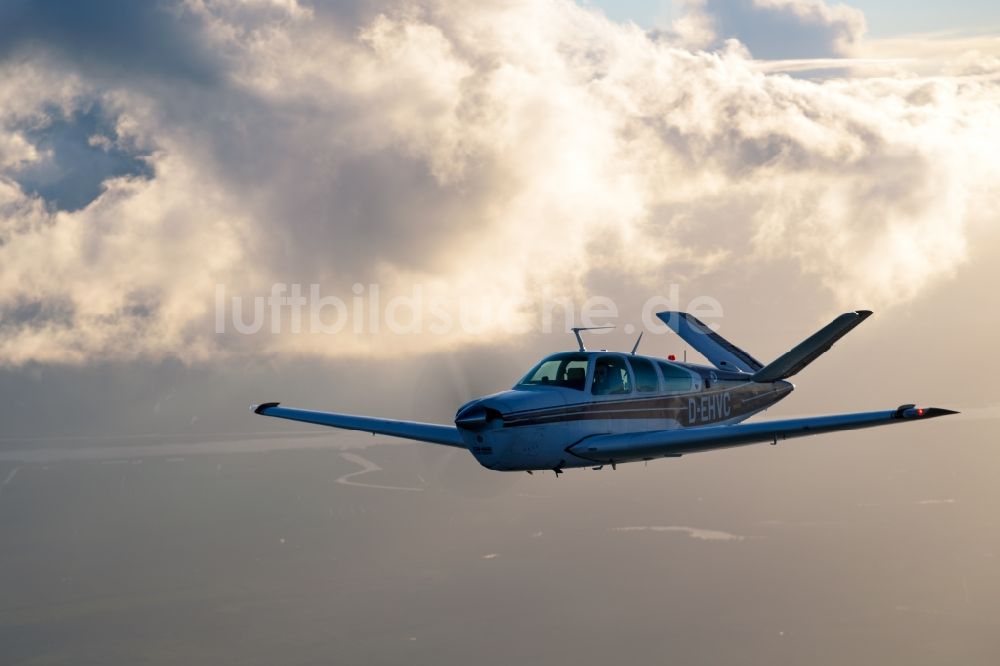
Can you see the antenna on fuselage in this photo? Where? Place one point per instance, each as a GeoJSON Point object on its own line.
{"type": "Point", "coordinates": [636, 346]}
{"type": "Point", "coordinates": [576, 331]}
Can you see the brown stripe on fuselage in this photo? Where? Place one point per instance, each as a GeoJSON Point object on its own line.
{"type": "Point", "coordinates": [700, 408]}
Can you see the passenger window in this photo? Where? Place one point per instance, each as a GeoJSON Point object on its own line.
{"type": "Point", "coordinates": [645, 375]}
{"type": "Point", "coordinates": [611, 376]}
{"type": "Point", "coordinates": [674, 378]}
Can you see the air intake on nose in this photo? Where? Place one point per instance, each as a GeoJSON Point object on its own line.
{"type": "Point", "coordinates": [475, 417]}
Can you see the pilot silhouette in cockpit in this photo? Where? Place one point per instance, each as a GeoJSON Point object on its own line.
{"type": "Point", "coordinates": [601, 379]}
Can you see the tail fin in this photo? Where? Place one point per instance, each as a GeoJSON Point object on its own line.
{"type": "Point", "coordinates": [811, 348]}
{"type": "Point", "coordinates": [720, 352]}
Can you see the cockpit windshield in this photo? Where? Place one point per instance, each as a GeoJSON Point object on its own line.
{"type": "Point", "coordinates": [568, 370]}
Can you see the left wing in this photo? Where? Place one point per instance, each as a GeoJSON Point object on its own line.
{"type": "Point", "coordinates": [671, 443]}
{"type": "Point", "coordinates": [424, 432]}
{"type": "Point", "coordinates": [720, 352]}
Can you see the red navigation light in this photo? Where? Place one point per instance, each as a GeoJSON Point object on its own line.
{"type": "Point", "coordinates": [920, 412]}
{"type": "Point", "coordinates": [672, 357]}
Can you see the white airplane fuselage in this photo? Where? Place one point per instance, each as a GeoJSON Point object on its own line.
{"type": "Point", "coordinates": [547, 426]}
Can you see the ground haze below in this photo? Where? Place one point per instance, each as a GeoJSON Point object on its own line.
{"type": "Point", "coordinates": [847, 548]}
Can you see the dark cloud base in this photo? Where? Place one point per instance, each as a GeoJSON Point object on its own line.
{"type": "Point", "coordinates": [112, 37]}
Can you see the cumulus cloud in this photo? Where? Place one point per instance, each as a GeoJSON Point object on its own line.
{"type": "Point", "coordinates": [485, 151]}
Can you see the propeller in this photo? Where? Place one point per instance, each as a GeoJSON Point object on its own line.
{"type": "Point", "coordinates": [444, 383]}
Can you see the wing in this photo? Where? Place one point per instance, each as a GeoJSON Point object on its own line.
{"type": "Point", "coordinates": [424, 432]}
{"type": "Point", "coordinates": [671, 443]}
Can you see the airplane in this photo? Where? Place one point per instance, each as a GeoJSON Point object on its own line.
{"type": "Point", "coordinates": [595, 408]}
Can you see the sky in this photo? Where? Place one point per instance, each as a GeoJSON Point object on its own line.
{"type": "Point", "coordinates": [447, 186]}
{"type": "Point", "coordinates": [884, 18]}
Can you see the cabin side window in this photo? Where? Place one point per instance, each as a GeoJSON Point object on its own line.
{"type": "Point", "coordinates": [674, 378]}
{"type": "Point", "coordinates": [611, 376]}
{"type": "Point", "coordinates": [645, 375]}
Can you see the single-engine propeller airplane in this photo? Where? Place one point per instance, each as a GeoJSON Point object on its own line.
{"type": "Point", "coordinates": [595, 408]}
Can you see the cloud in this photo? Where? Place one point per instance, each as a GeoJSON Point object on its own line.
{"type": "Point", "coordinates": [485, 151]}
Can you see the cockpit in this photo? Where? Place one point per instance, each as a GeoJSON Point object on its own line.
{"type": "Point", "coordinates": [568, 370]}
{"type": "Point", "coordinates": [608, 374]}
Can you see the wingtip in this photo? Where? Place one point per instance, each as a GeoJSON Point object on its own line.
{"type": "Point", "coordinates": [864, 314]}
{"type": "Point", "coordinates": [259, 409]}
{"type": "Point", "coordinates": [941, 411]}
{"type": "Point", "coordinates": [914, 412]}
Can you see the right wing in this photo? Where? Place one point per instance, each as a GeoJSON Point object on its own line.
{"type": "Point", "coordinates": [605, 449]}
{"type": "Point", "coordinates": [424, 432]}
